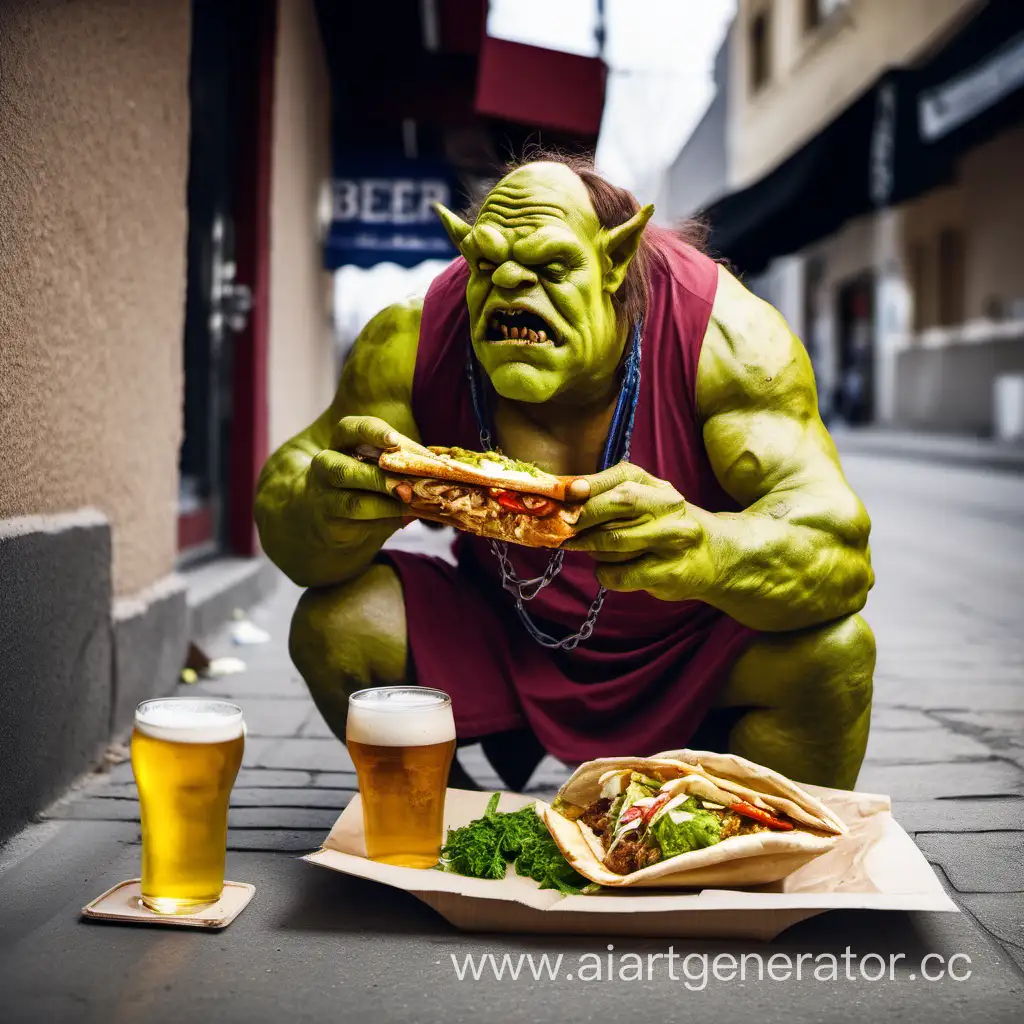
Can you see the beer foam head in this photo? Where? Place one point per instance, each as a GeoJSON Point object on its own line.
{"type": "Point", "coordinates": [400, 716]}
{"type": "Point", "coordinates": [185, 720]}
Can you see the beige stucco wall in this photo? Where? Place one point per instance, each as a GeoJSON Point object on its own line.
{"type": "Point", "coordinates": [995, 222]}
{"type": "Point", "coordinates": [944, 379]}
{"type": "Point", "coordinates": [986, 202]}
{"type": "Point", "coordinates": [302, 364]}
{"type": "Point", "coordinates": [93, 165]}
{"type": "Point", "coordinates": [816, 75]}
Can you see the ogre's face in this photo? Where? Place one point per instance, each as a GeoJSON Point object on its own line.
{"type": "Point", "coordinates": [541, 284]}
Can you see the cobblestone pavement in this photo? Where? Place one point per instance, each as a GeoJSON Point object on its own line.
{"type": "Point", "coordinates": [947, 742]}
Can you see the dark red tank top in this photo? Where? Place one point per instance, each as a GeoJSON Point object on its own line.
{"type": "Point", "coordinates": [666, 442]}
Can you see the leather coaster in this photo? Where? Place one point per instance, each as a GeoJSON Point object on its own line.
{"type": "Point", "coordinates": [123, 904]}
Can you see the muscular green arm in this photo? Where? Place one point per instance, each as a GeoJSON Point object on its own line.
{"type": "Point", "coordinates": [322, 516]}
{"type": "Point", "coordinates": [798, 553]}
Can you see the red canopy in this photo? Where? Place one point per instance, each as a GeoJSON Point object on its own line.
{"type": "Point", "coordinates": [547, 88]}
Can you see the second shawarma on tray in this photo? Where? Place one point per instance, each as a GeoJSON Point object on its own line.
{"type": "Point", "coordinates": [677, 820]}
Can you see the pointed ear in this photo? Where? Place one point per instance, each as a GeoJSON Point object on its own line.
{"type": "Point", "coordinates": [456, 227]}
{"type": "Point", "coordinates": [619, 246]}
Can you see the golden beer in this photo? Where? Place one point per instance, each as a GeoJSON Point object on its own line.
{"type": "Point", "coordinates": [402, 739]}
{"type": "Point", "coordinates": [185, 755]}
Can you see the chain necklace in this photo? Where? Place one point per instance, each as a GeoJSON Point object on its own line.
{"type": "Point", "coordinates": [616, 449]}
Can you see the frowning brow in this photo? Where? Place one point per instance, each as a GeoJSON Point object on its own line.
{"type": "Point", "coordinates": [511, 206]}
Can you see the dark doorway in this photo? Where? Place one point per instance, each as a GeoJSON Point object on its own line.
{"type": "Point", "coordinates": [855, 390]}
{"type": "Point", "coordinates": [216, 304]}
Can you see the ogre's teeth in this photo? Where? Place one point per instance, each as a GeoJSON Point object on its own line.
{"type": "Point", "coordinates": [515, 332]}
{"type": "Point", "coordinates": [504, 330]}
{"type": "Point", "coordinates": [541, 336]}
{"type": "Point", "coordinates": [533, 337]}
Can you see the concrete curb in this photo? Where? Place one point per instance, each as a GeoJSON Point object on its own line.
{"type": "Point", "coordinates": [215, 589]}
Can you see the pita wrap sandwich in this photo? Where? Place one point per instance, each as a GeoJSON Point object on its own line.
{"type": "Point", "coordinates": [687, 818]}
{"type": "Point", "coordinates": [485, 493]}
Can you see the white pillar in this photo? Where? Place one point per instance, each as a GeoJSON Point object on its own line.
{"type": "Point", "coordinates": [892, 308]}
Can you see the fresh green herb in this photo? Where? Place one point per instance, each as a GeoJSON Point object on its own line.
{"type": "Point", "coordinates": [485, 847]}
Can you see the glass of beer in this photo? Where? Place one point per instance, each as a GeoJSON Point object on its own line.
{"type": "Point", "coordinates": [402, 739]}
{"type": "Point", "coordinates": [185, 755]}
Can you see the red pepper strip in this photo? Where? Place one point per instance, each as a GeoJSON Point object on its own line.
{"type": "Point", "coordinates": [630, 813]}
{"type": "Point", "coordinates": [511, 500]}
{"type": "Point", "coordinates": [649, 812]}
{"type": "Point", "coordinates": [750, 811]}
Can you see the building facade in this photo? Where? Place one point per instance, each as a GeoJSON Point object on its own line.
{"type": "Point", "coordinates": [139, 393]}
{"type": "Point", "coordinates": [165, 312]}
{"type": "Point", "coordinates": [871, 197]}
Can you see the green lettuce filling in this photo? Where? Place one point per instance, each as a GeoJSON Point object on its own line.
{"type": "Point", "coordinates": [629, 796]}
{"type": "Point", "coordinates": [677, 834]}
{"type": "Point", "coordinates": [478, 458]}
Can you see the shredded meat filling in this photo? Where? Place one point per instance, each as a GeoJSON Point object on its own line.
{"type": "Point", "coordinates": [448, 498]}
{"type": "Point", "coordinates": [596, 816]}
{"type": "Point", "coordinates": [633, 852]}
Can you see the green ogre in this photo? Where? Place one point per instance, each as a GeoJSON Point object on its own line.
{"type": "Point", "coordinates": [793, 564]}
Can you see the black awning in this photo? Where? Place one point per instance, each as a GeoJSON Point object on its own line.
{"type": "Point", "coordinates": [969, 91]}
{"type": "Point", "coordinates": [806, 197]}
{"type": "Point", "coordinates": [899, 139]}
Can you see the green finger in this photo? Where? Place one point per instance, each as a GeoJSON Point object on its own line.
{"type": "Point", "coordinates": [353, 431]}
{"type": "Point", "coordinates": [612, 556]}
{"type": "Point", "coordinates": [622, 537]}
{"type": "Point", "coordinates": [598, 483]}
{"type": "Point", "coordinates": [333, 469]}
{"type": "Point", "coordinates": [358, 505]}
{"type": "Point", "coordinates": [631, 501]}
{"type": "Point", "coordinates": [621, 576]}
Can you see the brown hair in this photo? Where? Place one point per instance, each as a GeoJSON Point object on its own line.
{"type": "Point", "coordinates": [613, 206]}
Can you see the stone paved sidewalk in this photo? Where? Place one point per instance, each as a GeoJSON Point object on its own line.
{"type": "Point", "coordinates": [942, 449]}
{"type": "Point", "coordinates": [947, 742]}
{"type": "Point", "coordinates": [295, 776]}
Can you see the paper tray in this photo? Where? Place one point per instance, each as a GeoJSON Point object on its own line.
{"type": "Point", "coordinates": [877, 867]}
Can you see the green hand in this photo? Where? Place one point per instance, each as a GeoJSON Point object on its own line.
{"type": "Point", "coordinates": [322, 514]}
{"type": "Point", "coordinates": [349, 498]}
{"type": "Point", "coordinates": [640, 530]}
